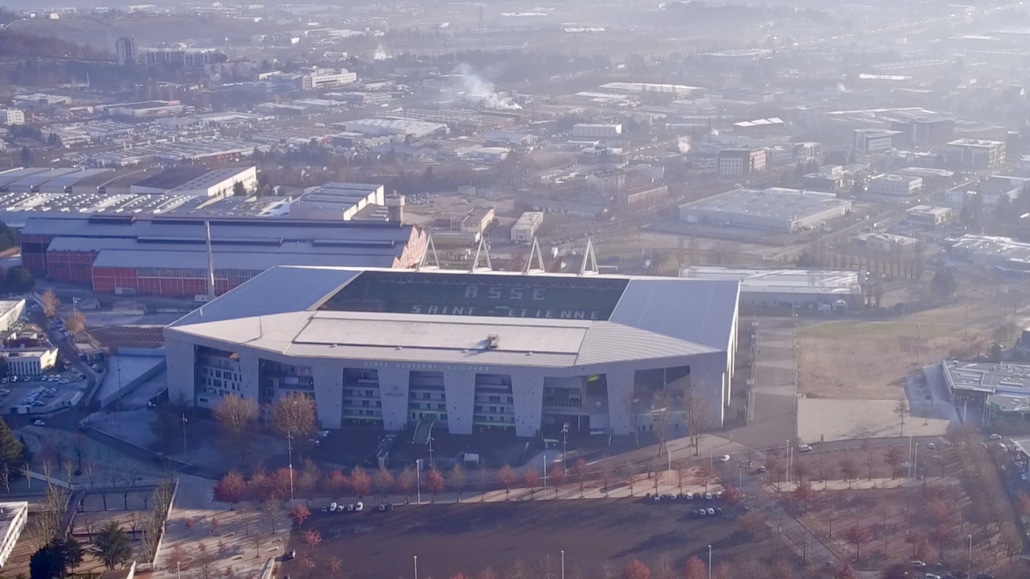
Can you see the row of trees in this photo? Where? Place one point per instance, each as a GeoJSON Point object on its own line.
{"type": "Point", "coordinates": [897, 261]}
{"type": "Point", "coordinates": [282, 484]}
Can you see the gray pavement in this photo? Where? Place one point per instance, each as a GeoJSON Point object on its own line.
{"type": "Point", "coordinates": [771, 406]}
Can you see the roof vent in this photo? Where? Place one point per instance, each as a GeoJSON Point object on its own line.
{"type": "Point", "coordinates": [492, 341]}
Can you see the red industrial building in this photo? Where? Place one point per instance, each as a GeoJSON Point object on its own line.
{"type": "Point", "coordinates": [168, 256]}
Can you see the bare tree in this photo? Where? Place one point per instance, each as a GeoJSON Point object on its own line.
{"type": "Point", "coordinates": [238, 416]}
{"type": "Point", "coordinates": [48, 521]}
{"type": "Point", "coordinates": [456, 477]}
{"type": "Point", "coordinates": [698, 416]}
{"type": "Point", "coordinates": [406, 482]}
{"type": "Point", "coordinates": [81, 450]}
{"type": "Point", "coordinates": [50, 303]}
{"type": "Point", "coordinates": [482, 477]}
{"type": "Point", "coordinates": [660, 407]}
{"type": "Point", "coordinates": [382, 482]}
{"type": "Point", "coordinates": [607, 472]}
{"type": "Point", "coordinates": [294, 415]}
{"type": "Point", "coordinates": [901, 409]}
{"type": "Point", "coordinates": [635, 404]}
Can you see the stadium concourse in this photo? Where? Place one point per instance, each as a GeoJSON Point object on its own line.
{"type": "Point", "coordinates": [465, 351]}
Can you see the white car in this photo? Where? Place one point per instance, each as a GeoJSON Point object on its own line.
{"type": "Point", "coordinates": [332, 507]}
{"type": "Point", "coordinates": [804, 448]}
{"type": "Point", "coordinates": [724, 458]}
{"type": "Point", "coordinates": [39, 422]}
{"type": "Point", "coordinates": [359, 506]}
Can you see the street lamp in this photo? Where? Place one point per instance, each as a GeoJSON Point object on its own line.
{"type": "Point", "coordinates": [709, 562]}
{"type": "Point", "coordinates": [564, 445]}
{"type": "Point", "coordinates": [563, 564]}
{"type": "Point", "coordinates": [969, 557]}
{"type": "Point", "coordinates": [184, 421]}
{"type": "Point", "coordinates": [289, 448]}
{"type": "Point", "coordinates": [414, 559]}
{"type": "Point", "coordinates": [418, 479]}
{"type": "Point", "coordinates": [545, 476]}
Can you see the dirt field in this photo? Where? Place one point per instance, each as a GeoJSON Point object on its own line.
{"type": "Point", "coordinates": [470, 537]}
{"type": "Point", "coordinates": [869, 360]}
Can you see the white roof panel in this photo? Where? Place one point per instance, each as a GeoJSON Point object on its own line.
{"type": "Point", "coordinates": [429, 331]}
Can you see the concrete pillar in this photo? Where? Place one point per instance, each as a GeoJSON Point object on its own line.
{"type": "Point", "coordinates": [250, 375]}
{"type": "Point", "coordinates": [460, 389]}
{"type": "Point", "coordinates": [709, 378]}
{"type": "Point", "coordinates": [328, 376]}
{"type": "Point", "coordinates": [180, 358]}
{"type": "Point", "coordinates": [393, 391]}
{"type": "Point", "coordinates": [620, 392]}
{"type": "Point", "coordinates": [528, 392]}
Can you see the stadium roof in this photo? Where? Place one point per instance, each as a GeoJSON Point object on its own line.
{"type": "Point", "coordinates": [447, 316]}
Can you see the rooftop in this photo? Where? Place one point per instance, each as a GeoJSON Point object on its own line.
{"type": "Point", "coordinates": [775, 202]}
{"type": "Point", "coordinates": [446, 316]}
{"type": "Point", "coordinates": [171, 178]}
{"type": "Point", "coordinates": [780, 280]}
{"type": "Point", "coordinates": [998, 378]}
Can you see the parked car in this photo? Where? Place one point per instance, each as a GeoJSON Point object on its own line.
{"type": "Point", "coordinates": [917, 564]}
{"type": "Point", "coordinates": [804, 448]}
{"type": "Point", "coordinates": [38, 422]}
{"type": "Point", "coordinates": [359, 506]}
{"type": "Point", "coordinates": [724, 458]}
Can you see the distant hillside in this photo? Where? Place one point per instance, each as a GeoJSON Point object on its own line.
{"type": "Point", "coordinates": [19, 45]}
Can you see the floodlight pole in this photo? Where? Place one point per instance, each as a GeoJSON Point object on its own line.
{"type": "Point", "coordinates": [289, 447]}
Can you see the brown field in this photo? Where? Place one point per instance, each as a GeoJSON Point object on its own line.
{"type": "Point", "coordinates": [868, 360]}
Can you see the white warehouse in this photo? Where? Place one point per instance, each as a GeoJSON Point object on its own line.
{"type": "Point", "coordinates": [466, 351]}
{"type": "Point", "coordinates": [774, 209]}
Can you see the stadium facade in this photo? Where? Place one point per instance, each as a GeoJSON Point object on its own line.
{"type": "Point", "coordinates": [468, 351]}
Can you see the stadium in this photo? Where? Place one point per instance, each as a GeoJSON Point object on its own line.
{"type": "Point", "coordinates": [464, 351]}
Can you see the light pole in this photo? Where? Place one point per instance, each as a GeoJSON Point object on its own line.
{"type": "Point", "coordinates": [414, 559]}
{"type": "Point", "coordinates": [668, 452]}
{"type": "Point", "coordinates": [418, 480]}
{"type": "Point", "coordinates": [709, 562]}
{"type": "Point", "coordinates": [563, 564]}
{"type": "Point", "coordinates": [430, 450]}
{"type": "Point", "coordinates": [289, 448]}
{"type": "Point", "coordinates": [790, 458]}
{"type": "Point", "coordinates": [184, 421]}
{"type": "Point", "coordinates": [545, 476]}
{"type": "Point", "coordinates": [969, 557]}
{"type": "Point", "coordinates": [564, 445]}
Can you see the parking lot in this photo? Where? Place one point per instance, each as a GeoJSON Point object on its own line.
{"type": "Point", "coordinates": [451, 538]}
{"type": "Point", "coordinates": [39, 394]}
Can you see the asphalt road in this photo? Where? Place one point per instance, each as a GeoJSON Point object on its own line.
{"type": "Point", "coordinates": [450, 538]}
